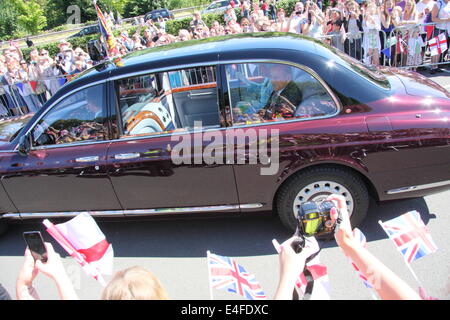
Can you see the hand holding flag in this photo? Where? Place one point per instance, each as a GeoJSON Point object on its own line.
{"type": "Point", "coordinates": [81, 238]}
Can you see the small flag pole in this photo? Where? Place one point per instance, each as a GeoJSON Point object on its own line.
{"type": "Point", "coordinates": [209, 276]}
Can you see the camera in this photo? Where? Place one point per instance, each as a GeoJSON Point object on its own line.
{"type": "Point", "coordinates": [314, 219]}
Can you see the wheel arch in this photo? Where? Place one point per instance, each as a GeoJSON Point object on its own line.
{"type": "Point", "coordinates": [339, 165]}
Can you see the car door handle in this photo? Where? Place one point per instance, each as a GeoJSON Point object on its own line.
{"type": "Point", "coordinates": [199, 94]}
{"type": "Point", "coordinates": [87, 159]}
{"type": "Point", "coordinates": [127, 156]}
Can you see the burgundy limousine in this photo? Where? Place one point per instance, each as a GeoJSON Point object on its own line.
{"type": "Point", "coordinates": [236, 125]}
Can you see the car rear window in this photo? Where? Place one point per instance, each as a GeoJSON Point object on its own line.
{"type": "Point", "coordinates": [370, 73]}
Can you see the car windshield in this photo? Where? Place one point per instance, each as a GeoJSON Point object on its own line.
{"type": "Point", "coordinates": [10, 128]}
{"type": "Point", "coordinates": [162, 13]}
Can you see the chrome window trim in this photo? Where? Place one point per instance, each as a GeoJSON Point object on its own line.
{"type": "Point", "coordinates": [132, 212]}
{"type": "Point", "coordinates": [58, 101]}
{"type": "Point", "coordinates": [308, 70]}
{"type": "Point", "coordinates": [167, 69]}
{"type": "Point", "coordinates": [225, 62]}
{"type": "Point", "coordinates": [193, 65]}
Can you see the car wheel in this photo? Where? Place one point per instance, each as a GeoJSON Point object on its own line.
{"type": "Point", "coordinates": [316, 185]}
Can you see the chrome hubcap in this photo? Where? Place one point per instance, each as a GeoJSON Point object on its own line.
{"type": "Point", "coordinates": [319, 191]}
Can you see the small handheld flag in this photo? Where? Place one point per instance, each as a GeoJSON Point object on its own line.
{"type": "Point", "coordinates": [225, 273]}
{"type": "Point", "coordinates": [410, 236]}
{"type": "Point", "coordinates": [85, 242]}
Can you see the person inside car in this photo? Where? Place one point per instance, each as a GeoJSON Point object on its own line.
{"type": "Point", "coordinates": [286, 94]}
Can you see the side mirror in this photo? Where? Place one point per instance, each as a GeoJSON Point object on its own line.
{"type": "Point", "coordinates": [24, 145]}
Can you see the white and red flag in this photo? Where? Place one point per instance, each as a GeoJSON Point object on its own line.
{"type": "Point", "coordinates": [438, 44]}
{"type": "Point", "coordinates": [85, 242]}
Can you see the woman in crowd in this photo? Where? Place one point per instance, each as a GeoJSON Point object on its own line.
{"type": "Point", "coordinates": [353, 26]}
{"type": "Point", "coordinates": [372, 27]}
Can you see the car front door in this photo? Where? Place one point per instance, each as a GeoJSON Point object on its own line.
{"type": "Point", "coordinates": [65, 169]}
{"type": "Point", "coordinates": [157, 162]}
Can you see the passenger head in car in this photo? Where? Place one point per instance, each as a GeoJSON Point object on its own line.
{"type": "Point", "coordinates": [135, 283]}
{"type": "Point", "coordinates": [280, 75]}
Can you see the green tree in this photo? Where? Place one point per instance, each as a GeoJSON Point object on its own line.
{"type": "Point", "coordinates": [113, 5]}
{"type": "Point", "coordinates": [59, 12]}
{"type": "Point", "coordinates": [8, 21]}
{"type": "Point", "coordinates": [30, 16]}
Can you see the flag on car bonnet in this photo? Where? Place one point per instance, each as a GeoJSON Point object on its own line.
{"type": "Point", "coordinates": [83, 240]}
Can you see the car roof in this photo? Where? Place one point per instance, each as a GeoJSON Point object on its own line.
{"type": "Point", "coordinates": [209, 49]}
{"type": "Point", "coordinates": [200, 51]}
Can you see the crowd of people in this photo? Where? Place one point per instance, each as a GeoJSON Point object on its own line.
{"type": "Point", "coordinates": [26, 84]}
{"type": "Point", "coordinates": [359, 28]}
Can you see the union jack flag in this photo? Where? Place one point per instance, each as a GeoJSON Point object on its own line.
{"type": "Point", "coordinates": [410, 236]}
{"type": "Point", "coordinates": [361, 238]}
{"type": "Point", "coordinates": [225, 273]}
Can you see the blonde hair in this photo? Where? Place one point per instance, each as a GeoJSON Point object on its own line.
{"type": "Point", "coordinates": [135, 283]}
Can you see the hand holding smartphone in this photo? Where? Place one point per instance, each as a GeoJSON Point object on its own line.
{"type": "Point", "coordinates": [36, 245]}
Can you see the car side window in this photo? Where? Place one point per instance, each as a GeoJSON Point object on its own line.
{"type": "Point", "coordinates": [168, 101]}
{"type": "Point", "coordinates": [79, 117]}
{"type": "Point", "coordinates": [261, 92]}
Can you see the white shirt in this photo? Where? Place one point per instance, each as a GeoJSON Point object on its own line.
{"type": "Point", "coordinates": [444, 13]}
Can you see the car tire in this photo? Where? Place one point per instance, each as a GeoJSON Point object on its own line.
{"type": "Point", "coordinates": [315, 185]}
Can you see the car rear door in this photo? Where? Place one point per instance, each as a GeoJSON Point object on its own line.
{"type": "Point", "coordinates": [157, 161]}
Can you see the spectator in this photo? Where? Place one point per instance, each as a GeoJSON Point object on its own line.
{"type": "Point", "coordinates": [314, 26]}
{"type": "Point", "coordinates": [272, 11]}
{"type": "Point", "coordinates": [229, 15]}
{"type": "Point", "coordinates": [25, 75]}
{"type": "Point", "coordinates": [265, 7]}
{"type": "Point", "coordinates": [245, 9]}
{"type": "Point", "coordinates": [134, 283]}
{"type": "Point", "coordinates": [34, 56]}
{"type": "Point", "coordinates": [337, 36]}
{"type": "Point", "coordinates": [409, 16]}
{"type": "Point", "coordinates": [297, 20]}
{"type": "Point", "coordinates": [281, 23]}
{"type": "Point", "coordinates": [245, 25]}
{"type": "Point", "coordinates": [388, 287]}
{"type": "Point", "coordinates": [184, 35]}
{"type": "Point", "coordinates": [440, 14]}
{"type": "Point", "coordinates": [147, 40]}
{"type": "Point", "coordinates": [197, 21]}
{"type": "Point", "coordinates": [372, 27]}
{"type": "Point", "coordinates": [53, 269]}
{"type": "Point", "coordinates": [353, 26]}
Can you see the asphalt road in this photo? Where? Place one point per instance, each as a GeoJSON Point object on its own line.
{"type": "Point", "coordinates": [175, 250]}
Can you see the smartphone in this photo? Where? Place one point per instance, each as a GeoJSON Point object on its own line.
{"type": "Point", "coordinates": [36, 245]}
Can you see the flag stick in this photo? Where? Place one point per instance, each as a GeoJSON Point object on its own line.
{"type": "Point", "coordinates": [209, 276]}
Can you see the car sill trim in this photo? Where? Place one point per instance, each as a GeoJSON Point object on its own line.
{"type": "Point", "coordinates": [135, 212]}
{"type": "Point", "coordinates": [419, 187]}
